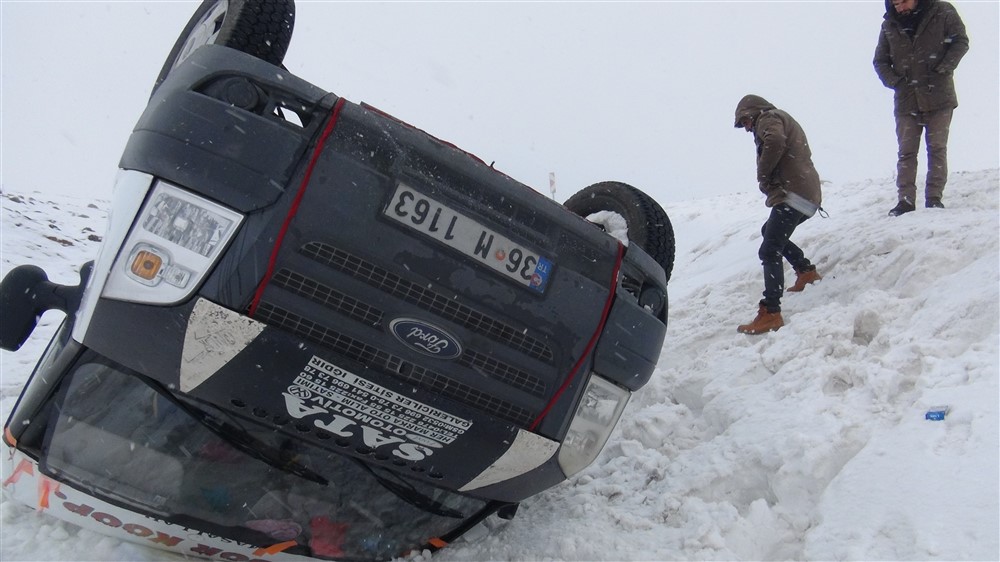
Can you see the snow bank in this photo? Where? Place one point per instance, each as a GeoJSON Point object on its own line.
{"type": "Point", "coordinates": [806, 443]}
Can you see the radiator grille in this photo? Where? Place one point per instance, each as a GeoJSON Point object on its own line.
{"type": "Point", "coordinates": [372, 316]}
{"type": "Point", "coordinates": [428, 300]}
{"type": "Point", "coordinates": [390, 364]}
{"type": "Point", "coordinates": [327, 297]}
{"type": "Point", "coordinates": [501, 371]}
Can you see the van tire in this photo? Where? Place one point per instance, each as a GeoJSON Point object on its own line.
{"type": "Point", "coordinates": [648, 224]}
{"type": "Point", "coordinates": [262, 28]}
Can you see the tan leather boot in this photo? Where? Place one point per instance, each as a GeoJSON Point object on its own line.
{"type": "Point", "coordinates": [764, 322]}
{"type": "Point", "coordinates": [803, 279]}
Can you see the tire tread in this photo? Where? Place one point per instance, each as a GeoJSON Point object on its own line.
{"type": "Point", "coordinates": [648, 224]}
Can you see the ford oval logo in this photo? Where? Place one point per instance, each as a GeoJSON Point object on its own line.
{"type": "Point", "coordinates": [425, 338]}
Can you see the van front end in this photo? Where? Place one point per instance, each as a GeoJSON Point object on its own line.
{"type": "Point", "coordinates": [316, 332]}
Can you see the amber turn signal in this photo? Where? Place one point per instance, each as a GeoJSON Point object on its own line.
{"type": "Point", "coordinates": [146, 265]}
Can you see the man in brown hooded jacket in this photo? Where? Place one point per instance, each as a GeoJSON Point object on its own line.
{"type": "Point", "coordinates": [786, 175]}
{"type": "Point", "coordinates": [919, 46]}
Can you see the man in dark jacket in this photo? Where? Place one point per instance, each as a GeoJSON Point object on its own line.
{"type": "Point", "coordinates": [786, 175]}
{"type": "Point", "coordinates": [919, 47]}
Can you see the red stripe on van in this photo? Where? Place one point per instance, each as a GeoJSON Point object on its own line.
{"type": "Point", "coordinates": [295, 206]}
{"type": "Point", "coordinates": [590, 344]}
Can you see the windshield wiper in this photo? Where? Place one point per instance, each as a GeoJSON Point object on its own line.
{"type": "Point", "coordinates": [257, 449]}
{"type": "Point", "coordinates": [242, 439]}
{"type": "Point", "coordinates": [408, 493]}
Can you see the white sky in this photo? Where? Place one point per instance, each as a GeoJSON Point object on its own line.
{"type": "Point", "coordinates": [640, 92]}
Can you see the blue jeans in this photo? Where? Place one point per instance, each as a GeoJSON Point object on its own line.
{"type": "Point", "coordinates": [776, 246]}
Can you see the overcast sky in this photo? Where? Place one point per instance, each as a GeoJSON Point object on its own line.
{"type": "Point", "coordinates": [636, 92]}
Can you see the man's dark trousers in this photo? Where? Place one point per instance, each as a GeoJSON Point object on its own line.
{"type": "Point", "coordinates": [777, 232]}
{"type": "Point", "coordinates": [935, 125]}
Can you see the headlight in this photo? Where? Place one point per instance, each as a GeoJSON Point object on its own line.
{"type": "Point", "coordinates": [173, 244]}
{"type": "Point", "coordinates": [595, 419]}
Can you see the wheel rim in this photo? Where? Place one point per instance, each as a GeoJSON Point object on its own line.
{"type": "Point", "coordinates": [205, 32]}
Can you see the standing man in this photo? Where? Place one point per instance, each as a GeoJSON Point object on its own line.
{"type": "Point", "coordinates": [919, 47]}
{"type": "Point", "coordinates": [786, 175]}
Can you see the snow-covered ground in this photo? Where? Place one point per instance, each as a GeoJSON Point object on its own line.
{"type": "Point", "coordinates": [807, 443]}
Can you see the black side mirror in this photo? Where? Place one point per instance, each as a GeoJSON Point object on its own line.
{"type": "Point", "coordinates": [26, 293]}
{"type": "Point", "coordinates": [508, 511]}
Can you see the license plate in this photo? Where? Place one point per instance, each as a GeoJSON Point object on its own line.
{"type": "Point", "coordinates": [455, 230]}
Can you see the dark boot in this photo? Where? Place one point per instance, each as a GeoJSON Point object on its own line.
{"type": "Point", "coordinates": [934, 203]}
{"type": "Point", "coordinates": [803, 278]}
{"type": "Point", "coordinates": [901, 208]}
{"type": "Point", "coordinates": [763, 323]}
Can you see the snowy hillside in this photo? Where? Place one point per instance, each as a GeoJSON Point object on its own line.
{"type": "Point", "coordinates": [807, 443]}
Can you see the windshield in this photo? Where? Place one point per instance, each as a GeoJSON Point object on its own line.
{"type": "Point", "coordinates": [129, 442]}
